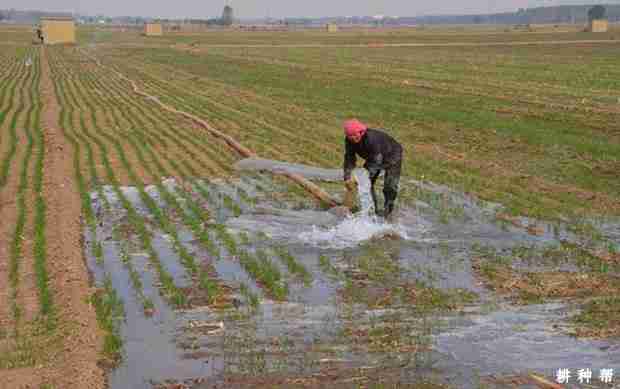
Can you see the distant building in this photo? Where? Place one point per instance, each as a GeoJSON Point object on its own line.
{"type": "Point", "coordinates": [228, 16]}
{"type": "Point", "coordinates": [332, 27]}
{"type": "Point", "coordinates": [153, 29]}
{"type": "Point", "coordinates": [598, 25]}
{"type": "Point", "coordinates": [192, 25]}
{"type": "Point", "coordinates": [55, 30]}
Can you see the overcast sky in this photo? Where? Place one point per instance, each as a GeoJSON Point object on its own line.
{"type": "Point", "coordinates": [281, 8]}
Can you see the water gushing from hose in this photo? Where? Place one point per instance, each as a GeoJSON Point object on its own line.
{"type": "Point", "coordinates": [356, 228]}
{"type": "Point", "coordinates": [367, 207]}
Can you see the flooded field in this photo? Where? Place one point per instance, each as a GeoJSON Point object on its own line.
{"type": "Point", "coordinates": [307, 298]}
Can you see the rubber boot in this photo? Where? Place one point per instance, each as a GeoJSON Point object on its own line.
{"type": "Point", "coordinates": [389, 209]}
{"type": "Point", "coordinates": [373, 194]}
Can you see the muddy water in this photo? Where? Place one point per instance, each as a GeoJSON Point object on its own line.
{"type": "Point", "coordinates": [433, 240]}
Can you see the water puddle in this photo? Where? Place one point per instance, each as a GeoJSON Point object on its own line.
{"type": "Point", "coordinates": [512, 340]}
{"type": "Point", "coordinates": [402, 299]}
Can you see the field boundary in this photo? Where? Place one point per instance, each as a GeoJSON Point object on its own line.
{"type": "Point", "coordinates": [379, 44]}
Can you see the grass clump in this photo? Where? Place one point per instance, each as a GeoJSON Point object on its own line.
{"type": "Point", "coordinates": [599, 318]}
{"type": "Point", "coordinates": [293, 266]}
{"type": "Point", "coordinates": [110, 315]}
{"type": "Point", "coordinates": [136, 282]}
{"type": "Point", "coordinates": [265, 272]}
{"type": "Point", "coordinates": [252, 298]}
{"type": "Point", "coordinates": [326, 266]}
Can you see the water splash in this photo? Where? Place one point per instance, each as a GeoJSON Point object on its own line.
{"type": "Point", "coordinates": [367, 206]}
{"type": "Point", "coordinates": [357, 228]}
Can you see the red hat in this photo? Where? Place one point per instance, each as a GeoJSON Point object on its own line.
{"type": "Point", "coordinates": [354, 127]}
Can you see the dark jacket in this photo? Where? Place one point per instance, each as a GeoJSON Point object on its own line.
{"type": "Point", "coordinates": [378, 149]}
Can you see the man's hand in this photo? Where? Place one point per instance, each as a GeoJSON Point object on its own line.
{"type": "Point", "coordinates": [350, 184]}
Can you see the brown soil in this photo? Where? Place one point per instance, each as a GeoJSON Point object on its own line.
{"type": "Point", "coordinates": [332, 374]}
{"type": "Point", "coordinates": [21, 378]}
{"type": "Point", "coordinates": [76, 365]}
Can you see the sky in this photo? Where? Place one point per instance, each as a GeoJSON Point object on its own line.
{"type": "Point", "coordinates": [281, 8]}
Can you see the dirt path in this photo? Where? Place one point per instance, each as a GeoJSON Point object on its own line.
{"type": "Point", "coordinates": [77, 366]}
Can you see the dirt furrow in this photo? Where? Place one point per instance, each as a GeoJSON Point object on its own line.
{"type": "Point", "coordinates": [76, 366]}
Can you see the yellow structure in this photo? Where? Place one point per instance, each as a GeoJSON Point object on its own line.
{"type": "Point", "coordinates": [153, 29]}
{"type": "Point", "coordinates": [598, 25]}
{"type": "Point", "coordinates": [331, 27]}
{"type": "Point", "coordinates": [56, 30]}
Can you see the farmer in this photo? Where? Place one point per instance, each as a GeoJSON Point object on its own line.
{"type": "Point", "coordinates": [40, 34]}
{"type": "Point", "coordinates": [381, 152]}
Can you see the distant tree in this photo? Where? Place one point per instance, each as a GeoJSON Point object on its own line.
{"type": "Point", "coordinates": [227, 16]}
{"type": "Point", "coordinates": [2, 17]}
{"type": "Point", "coordinates": [596, 12]}
{"type": "Point", "coordinates": [477, 19]}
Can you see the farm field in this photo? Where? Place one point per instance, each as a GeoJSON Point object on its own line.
{"type": "Point", "coordinates": [135, 252]}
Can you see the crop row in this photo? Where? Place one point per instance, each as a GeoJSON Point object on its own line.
{"type": "Point", "coordinates": [160, 218]}
{"type": "Point", "coordinates": [239, 116]}
{"type": "Point", "coordinates": [69, 99]}
{"type": "Point", "coordinates": [29, 301]}
{"type": "Point", "coordinates": [12, 113]}
{"type": "Point", "coordinates": [439, 103]}
{"type": "Point", "coordinates": [167, 130]}
{"type": "Point", "coordinates": [28, 245]}
{"type": "Point", "coordinates": [16, 253]}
